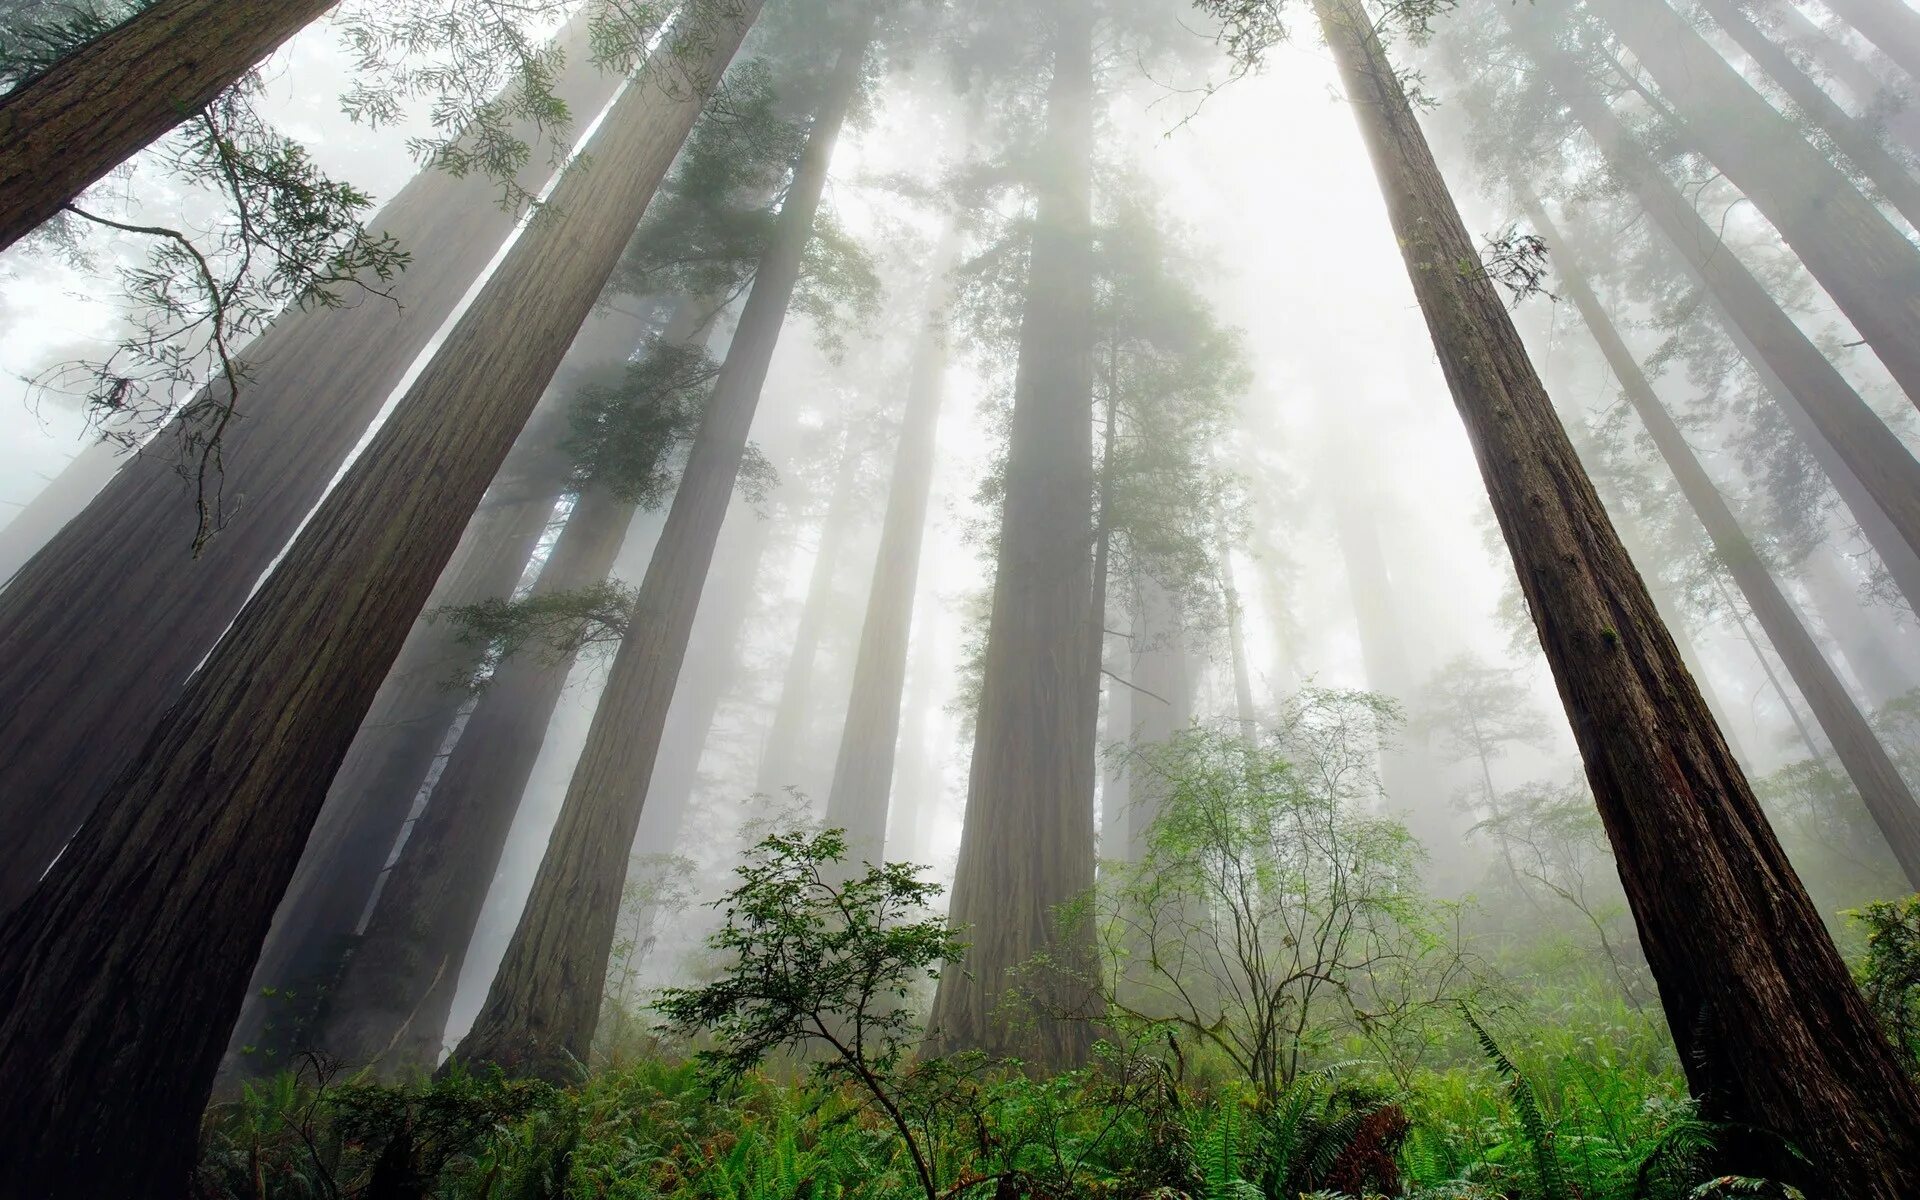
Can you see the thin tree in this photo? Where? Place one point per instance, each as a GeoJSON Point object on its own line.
{"type": "Point", "coordinates": [863, 768]}
{"type": "Point", "coordinates": [541, 1011]}
{"type": "Point", "coordinates": [1027, 846]}
{"type": "Point", "coordinates": [102, 627]}
{"type": "Point", "coordinates": [1772, 1034]}
{"type": "Point", "coordinates": [121, 976]}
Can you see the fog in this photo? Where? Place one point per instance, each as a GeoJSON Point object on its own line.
{"type": "Point", "coordinates": [1363, 551]}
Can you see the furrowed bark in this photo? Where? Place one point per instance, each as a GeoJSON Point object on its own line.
{"type": "Point", "coordinates": [111, 1026]}
{"type": "Point", "coordinates": [63, 130]}
{"type": "Point", "coordinates": [102, 627]}
{"type": "Point", "coordinates": [1028, 843]}
{"type": "Point", "coordinates": [541, 1011]}
{"type": "Point", "coordinates": [1771, 1032]}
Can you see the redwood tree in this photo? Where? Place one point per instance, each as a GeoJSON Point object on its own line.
{"type": "Point", "coordinates": [543, 1006]}
{"type": "Point", "coordinates": [122, 974]}
{"type": "Point", "coordinates": [1772, 1034]}
{"type": "Point", "coordinates": [99, 630]}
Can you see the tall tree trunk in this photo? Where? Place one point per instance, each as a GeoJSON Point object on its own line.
{"type": "Point", "coordinates": [405, 732]}
{"type": "Point", "coordinates": [100, 630]}
{"type": "Point", "coordinates": [1875, 99]}
{"type": "Point", "coordinates": [1869, 268]}
{"type": "Point", "coordinates": [1884, 669]}
{"type": "Point", "coordinates": [1771, 1032]}
{"type": "Point", "coordinates": [1857, 139]}
{"type": "Point", "coordinates": [863, 769]}
{"type": "Point", "coordinates": [1876, 476]}
{"type": "Point", "coordinates": [1237, 645]}
{"type": "Point", "coordinates": [122, 975]}
{"type": "Point", "coordinates": [1807, 741]}
{"type": "Point", "coordinates": [787, 740]}
{"type": "Point", "coordinates": [1028, 843]}
{"type": "Point", "coordinates": [65, 129]}
{"type": "Point", "coordinates": [390, 1008]}
{"type": "Point", "coordinates": [1162, 682]}
{"type": "Point", "coordinates": [1888, 24]}
{"type": "Point", "coordinates": [372, 794]}
{"type": "Point", "coordinates": [1860, 752]}
{"type": "Point", "coordinates": [540, 1013]}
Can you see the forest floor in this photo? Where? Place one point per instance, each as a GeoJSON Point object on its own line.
{"type": "Point", "coordinates": [1576, 1098]}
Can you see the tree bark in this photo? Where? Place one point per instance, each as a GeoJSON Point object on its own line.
{"type": "Point", "coordinates": [1857, 139]}
{"type": "Point", "coordinates": [1861, 755]}
{"type": "Point", "coordinates": [1888, 24]}
{"type": "Point", "coordinates": [1866, 265]}
{"type": "Point", "coordinates": [541, 1010]}
{"type": "Point", "coordinates": [863, 769]}
{"type": "Point", "coordinates": [102, 627]}
{"type": "Point", "coordinates": [1771, 1032]}
{"type": "Point", "coordinates": [1876, 476]}
{"type": "Point", "coordinates": [787, 737]}
{"type": "Point", "coordinates": [406, 730]}
{"type": "Point", "coordinates": [390, 1009]}
{"type": "Point", "coordinates": [63, 130]}
{"type": "Point", "coordinates": [1028, 843]}
{"type": "Point", "coordinates": [121, 977]}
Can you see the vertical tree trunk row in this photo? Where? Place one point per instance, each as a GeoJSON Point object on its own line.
{"type": "Point", "coordinates": [1738, 949]}
{"type": "Point", "coordinates": [111, 1028]}
{"type": "Point", "coordinates": [544, 1003]}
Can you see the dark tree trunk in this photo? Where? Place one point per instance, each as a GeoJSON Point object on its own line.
{"type": "Point", "coordinates": [541, 1011]}
{"type": "Point", "coordinates": [1771, 1032]}
{"type": "Point", "coordinates": [390, 1009]}
{"type": "Point", "coordinates": [1861, 755]}
{"type": "Point", "coordinates": [122, 975]}
{"type": "Point", "coordinates": [1866, 265]}
{"type": "Point", "coordinates": [863, 769]}
{"type": "Point", "coordinates": [1888, 24]}
{"type": "Point", "coordinates": [1857, 139]}
{"type": "Point", "coordinates": [1028, 843]}
{"type": "Point", "coordinates": [94, 109]}
{"type": "Point", "coordinates": [406, 730]}
{"type": "Point", "coordinates": [1876, 476]}
{"type": "Point", "coordinates": [101, 628]}
{"type": "Point", "coordinates": [787, 737]}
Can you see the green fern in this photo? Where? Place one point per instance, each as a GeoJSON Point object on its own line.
{"type": "Point", "coordinates": [1539, 1134]}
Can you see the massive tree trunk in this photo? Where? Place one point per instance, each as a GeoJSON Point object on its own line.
{"type": "Point", "coordinates": [1771, 1032]}
{"type": "Point", "coordinates": [122, 975]}
{"type": "Point", "coordinates": [1875, 475]}
{"type": "Point", "coordinates": [390, 1008]}
{"type": "Point", "coordinates": [863, 769]}
{"type": "Point", "coordinates": [540, 1013]}
{"type": "Point", "coordinates": [1866, 265]}
{"type": "Point", "coordinates": [101, 628]}
{"type": "Point", "coordinates": [373, 792]}
{"type": "Point", "coordinates": [1857, 139]}
{"type": "Point", "coordinates": [406, 730]}
{"type": "Point", "coordinates": [1888, 24]}
{"type": "Point", "coordinates": [787, 742]}
{"type": "Point", "coordinates": [1028, 843]}
{"type": "Point", "coordinates": [1862, 756]}
{"type": "Point", "coordinates": [64, 130]}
